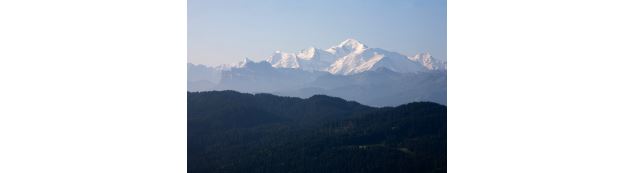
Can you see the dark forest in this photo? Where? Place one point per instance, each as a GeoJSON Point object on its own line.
{"type": "Point", "coordinates": [237, 132]}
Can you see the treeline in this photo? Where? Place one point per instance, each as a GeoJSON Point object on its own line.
{"type": "Point", "coordinates": [235, 132]}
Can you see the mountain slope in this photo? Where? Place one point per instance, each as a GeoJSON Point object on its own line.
{"type": "Point", "coordinates": [428, 62]}
{"type": "Point", "coordinates": [371, 59]}
{"type": "Point", "coordinates": [311, 59]}
{"type": "Point", "coordinates": [235, 132]}
{"type": "Point", "coordinates": [201, 77]}
{"type": "Point", "coordinates": [381, 87]}
{"type": "Point", "coordinates": [261, 77]}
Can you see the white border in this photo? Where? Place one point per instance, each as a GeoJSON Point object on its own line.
{"type": "Point", "coordinates": [541, 86]}
{"type": "Point", "coordinates": [534, 86]}
{"type": "Point", "coordinates": [93, 86]}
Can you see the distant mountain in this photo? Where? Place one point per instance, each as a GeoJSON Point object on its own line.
{"type": "Point", "coordinates": [351, 70]}
{"type": "Point", "coordinates": [428, 62]}
{"type": "Point", "coordinates": [351, 57]}
{"type": "Point", "coordinates": [381, 87]}
{"type": "Point", "coordinates": [262, 77]}
{"type": "Point", "coordinates": [235, 132]}
{"type": "Point", "coordinates": [202, 78]}
{"type": "Point", "coordinates": [311, 59]}
{"type": "Point", "coordinates": [357, 58]}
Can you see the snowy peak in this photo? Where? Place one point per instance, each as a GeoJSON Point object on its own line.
{"type": "Point", "coordinates": [307, 54]}
{"type": "Point", "coordinates": [424, 55]}
{"type": "Point", "coordinates": [311, 59]}
{"type": "Point", "coordinates": [346, 47]}
{"type": "Point", "coordinates": [371, 59]}
{"type": "Point", "coordinates": [352, 44]}
{"type": "Point", "coordinates": [283, 60]}
{"type": "Point", "coordinates": [428, 62]}
{"type": "Point", "coordinates": [351, 57]}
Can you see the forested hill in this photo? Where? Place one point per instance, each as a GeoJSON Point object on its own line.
{"type": "Point", "coordinates": [236, 132]}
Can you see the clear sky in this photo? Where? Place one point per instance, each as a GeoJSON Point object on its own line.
{"type": "Point", "coordinates": [226, 31]}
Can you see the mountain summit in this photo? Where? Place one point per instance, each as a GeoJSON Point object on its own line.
{"type": "Point", "coordinates": [349, 45]}
{"type": "Point", "coordinates": [351, 42]}
{"type": "Point", "coordinates": [351, 57]}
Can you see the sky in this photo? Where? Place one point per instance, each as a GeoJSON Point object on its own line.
{"type": "Point", "coordinates": [227, 31]}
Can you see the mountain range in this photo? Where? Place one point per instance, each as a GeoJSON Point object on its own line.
{"type": "Point", "coordinates": [350, 70]}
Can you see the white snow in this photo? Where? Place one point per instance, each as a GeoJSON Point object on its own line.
{"type": "Point", "coordinates": [351, 57]}
{"type": "Point", "coordinates": [428, 62]}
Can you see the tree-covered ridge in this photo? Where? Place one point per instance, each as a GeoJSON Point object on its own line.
{"type": "Point", "coordinates": [235, 132]}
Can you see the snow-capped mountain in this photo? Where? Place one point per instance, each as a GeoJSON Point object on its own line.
{"type": "Point", "coordinates": [371, 59]}
{"type": "Point", "coordinates": [311, 59]}
{"type": "Point", "coordinates": [346, 47]}
{"type": "Point", "coordinates": [349, 70]}
{"type": "Point", "coordinates": [429, 63]}
{"type": "Point", "coordinates": [351, 57]}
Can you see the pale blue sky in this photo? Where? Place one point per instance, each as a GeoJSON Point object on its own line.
{"type": "Point", "coordinates": [226, 31]}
